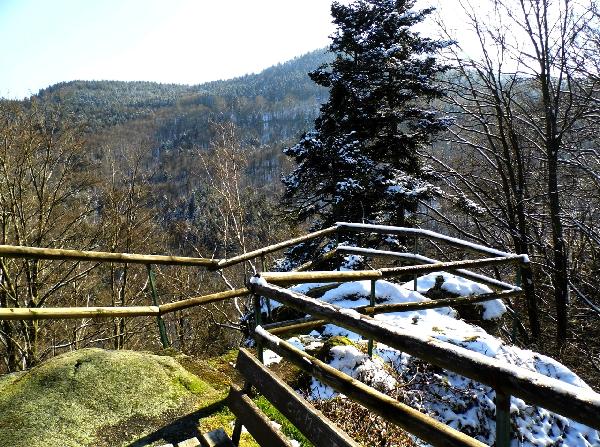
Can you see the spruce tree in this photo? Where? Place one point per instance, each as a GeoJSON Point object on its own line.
{"type": "Point", "coordinates": [360, 163]}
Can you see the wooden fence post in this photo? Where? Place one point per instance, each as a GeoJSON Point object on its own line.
{"type": "Point", "coordinates": [258, 322]}
{"type": "Point", "coordinates": [263, 265]}
{"type": "Point", "coordinates": [162, 330]}
{"type": "Point", "coordinates": [502, 419]}
{"type": "Point", "coordinates": [416, 248]}
{"type": "Point", "coordinates": [372, 301]}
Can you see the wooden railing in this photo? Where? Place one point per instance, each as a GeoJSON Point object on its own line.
{"type": "Point", "coordinates": [507, 380]}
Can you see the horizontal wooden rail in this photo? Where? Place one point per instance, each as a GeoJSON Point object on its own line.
{"type": "Point", "coordinates": [356, 275]}
{"type": "Point", "coordinates": [200, 300]}
{"type": "Point", "coordinates": [434, 304]}
{"type": "Point", "coordinates": [294, 326]}
{"type": "Point", "coordinates": [60, 313]}
{"type": "Point", "coordinates": [416, 232]}
{"type": "Point", "coordinates": [320, 276]}
{"type": "Point", "coordinates": [419, 259]}
{"type": "Point", "coordinates": [417, 423]}
{"type": "Point", "coordinates": [272, 248]}
{"type": "Point", "coordinates": [257, 424]}
{"type": "Point", "coordinates": [302, 324]}
{"type": "Point", "coordinates": [13, 251]}
{"type": "Point", "coordinates": [64, 313]}
{"type": "Point", "coordinates": [313, 424]}
{"type": "Point", "coordinates": [573, 402]}
{"type": "Point", "coordinates": [438, 266]}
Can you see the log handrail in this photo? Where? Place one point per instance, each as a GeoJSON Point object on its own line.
{"type": "Point", "coordinates": [275, 247]}
{"type": "Point", "coordinates": [65, 313]}
{"type": "Point", "coordinates": [17, 251]}
{"type": "Point", "coordinates": [353, 275]}
{"type": "Point", "coordinates": [420, 259]}
{"type": "Point", "coordinates": [422, 425]}
{"type": "Point", "coordinates": [420, 233]}
{"type": "Point", "coordinates": [571, 401]}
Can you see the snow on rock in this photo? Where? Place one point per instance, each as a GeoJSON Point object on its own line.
{"type": "Point", "coordinates": [453, 399]}
{"type": "Point", "coordinates": [358, 365]}
{"type": "Point", "coordinates": [461, 287]}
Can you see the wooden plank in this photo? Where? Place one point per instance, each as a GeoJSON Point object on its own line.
{"type": "Point", "coordinates": [295, 326]}
{"type": "Point", "coordinates": [201, 300]}
{"type": "Point", "coordinates": [12, 251]}
{"type": "Point", "coordinates": [420, 259]}
{"type": "Point", "coordinates": [64, 313]}
{"type": "Point", "coordinates": [254, 420]}
{"type": "Point", "coordinates": [425, 234]}
{"type": "Point", "coordinates": [439, 266]}
{"type": "Point", "coordinates": [320, 276]}
{"type": "Point", "coordinates": [355, 275]}
{"type": "Point", "coordinates": [573, 402]}
{"type": "Point", "coordinates": [216, 438]}
{"type": "Point", "coordinates": [434, 304]}
{"type": "Point", "coordinates": [311, 422]}
{"type": "Point", "coordinates": [303, 324]}
{"type": "Point", "coordinates": [271, 248]}
{"type": "Point", "coordinates": [502, 419]}
{"type": "Point", "coordinates": [421, 425]}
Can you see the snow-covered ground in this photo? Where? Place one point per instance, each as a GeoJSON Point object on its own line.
{"type": "Point", "coordinates": [455, 400]}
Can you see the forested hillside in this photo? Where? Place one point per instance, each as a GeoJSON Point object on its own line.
{"type": "Point", "coordinates": [277, 103]}
{"type": "Point", "coordinates": [147, 168]}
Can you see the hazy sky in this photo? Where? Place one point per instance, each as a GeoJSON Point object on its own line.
{"type": "Point", "coordinates": [43, 42]}
{"type": "Point", "coordinates": [183, 41]}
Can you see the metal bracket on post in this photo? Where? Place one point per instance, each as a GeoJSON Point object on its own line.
{"type": "Point", "coordinates": [372, 302]}
{"type": "Point", "coordinates": [502, 419]}
{"type": "Point", "coordinates": [162, 330]}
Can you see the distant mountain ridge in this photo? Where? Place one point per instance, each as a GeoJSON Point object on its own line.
{"type": "Point", "coordinates": [281, 90]}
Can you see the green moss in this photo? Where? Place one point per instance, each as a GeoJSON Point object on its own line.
{"type": "Point", "coordinates": [287, 428]}
{"type": "Point", "coordinates": [67, 400]}
{"type": "Point", "coordinates": [225, 419]}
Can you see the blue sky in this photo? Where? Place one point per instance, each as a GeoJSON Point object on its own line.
{"type": "Point", "coordinates": [182, 41]}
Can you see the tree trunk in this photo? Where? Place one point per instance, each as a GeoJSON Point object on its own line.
{"type": "Point", "coordinates": [560, 278]}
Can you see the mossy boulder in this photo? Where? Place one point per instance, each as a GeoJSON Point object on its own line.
{"type": "Point", "coordinates": [70, 399]}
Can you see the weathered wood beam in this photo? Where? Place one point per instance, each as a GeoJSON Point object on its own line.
{"type": "Point", "coordinates": [254, 420]}
{"type": "Point", "coordinates": [320, 276]}
{"type": "Point", "coordinates": [439, 266]}
{"type": "Point", "coordinates": [302, 324]}
{"type": "Point", "coordinates": [49, 313]}
{"type": "Point", "coordinates": [200, 300]}
{"type": "Point", "coordinates": [12, 251]}
{"type": "Point", "coordinates": [357, 275]}
{"type": "Point", "coordinates": [419, 259]}
{"type": "Point", "coordinates": [573, 402]}
{"type": "Point", "coordinates": [434, 304]}
{"type": "Point", "coordinates": [417, 423]}
{"type": "Point", "coordinates": [271, 248]}
{"type": "Point", "coordinates": [311, 422]}
{"type": "Point", "coordinates": [426, 234]}
{"type": "Point", "coordinates": [294, 326]}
